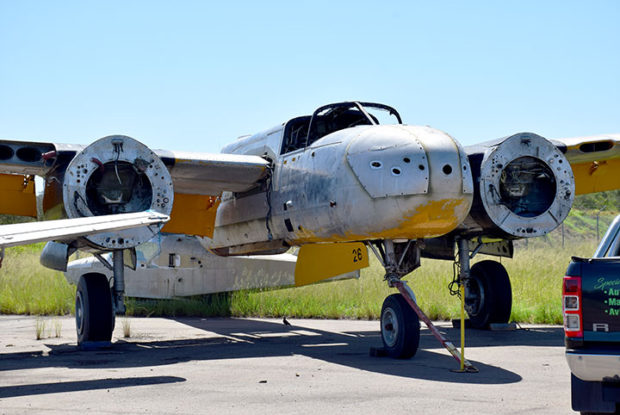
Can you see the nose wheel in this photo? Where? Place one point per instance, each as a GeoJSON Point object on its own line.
{"type": "Point", "coordinates": [400, 328]}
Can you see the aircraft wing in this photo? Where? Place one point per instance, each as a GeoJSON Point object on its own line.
{"type": "Point", "coordinates": [198, 179]}
{"type": "Point", "coordinates": [32, 232]}
{"type": "Point", "coordinates": [595, 161]}
{"type": "Point", "coordinates": [212, 174]}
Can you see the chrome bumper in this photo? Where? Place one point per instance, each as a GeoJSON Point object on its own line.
{"type": "Point", "coordinates": [593, 367]}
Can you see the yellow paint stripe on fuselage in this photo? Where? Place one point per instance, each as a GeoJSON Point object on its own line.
{"type": "Point", "coordinates": [436, 218]}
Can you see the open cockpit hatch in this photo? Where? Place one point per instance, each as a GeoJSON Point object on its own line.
{"type": "Point", "coordinates": [302, 131]}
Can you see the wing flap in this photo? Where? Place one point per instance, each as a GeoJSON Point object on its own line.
{"type": "Point", "coordinates": [319, 262]}
{"type": "Point", "coordinates": [32, 232]}
{"type": "Point", "coordinates": [193, 215]}
{"type": "Point", "coordinates": [17, 196]}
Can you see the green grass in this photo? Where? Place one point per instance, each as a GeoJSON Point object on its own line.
{"type": "Point", "coordinates": [26, 287]}
{"type": "Point", "coordinates": [536, 273]}
{"type": "Point", "coordinates": [536, 276]}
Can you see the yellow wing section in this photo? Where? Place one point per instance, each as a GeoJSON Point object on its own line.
{"type": "Point", "coordinates": [595, 161]}
{"type": "Point", "coordinates": [318, 262]}
{"type": "Point", "coordinates": [17, 196]}
{"type": "Point", "coordinates": [193, 215]}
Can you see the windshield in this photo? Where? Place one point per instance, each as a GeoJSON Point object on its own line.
{"type": "Point", "coordinates": [382, 114]}
{"type": "Point", "coordinates": [336, 117]}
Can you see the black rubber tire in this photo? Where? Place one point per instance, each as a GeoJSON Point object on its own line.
{"type": "Point", "coordinates": [400, 328]}
{"type": "Point", "coordinates": [94, 312]}
{"type": "Point", "coordinates": [493, 284]}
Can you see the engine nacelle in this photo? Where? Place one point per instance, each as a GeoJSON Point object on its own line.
{"type": "Point", "coordinates": [117, 174]}
{"type": "Point", "coordinates": [526, 188]}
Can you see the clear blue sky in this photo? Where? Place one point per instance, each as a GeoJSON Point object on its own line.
{"type": "Point", "coordinates": [194, 75]}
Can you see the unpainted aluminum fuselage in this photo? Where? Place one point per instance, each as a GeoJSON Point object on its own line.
{"type": "Point", "coordinates": [366, 182]}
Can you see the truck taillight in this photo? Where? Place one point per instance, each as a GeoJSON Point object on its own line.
{"type": "Point", "coordinates": [571, 307]}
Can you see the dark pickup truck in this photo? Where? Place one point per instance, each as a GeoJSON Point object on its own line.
{"type": "Point", "coordinates": [591, 307]}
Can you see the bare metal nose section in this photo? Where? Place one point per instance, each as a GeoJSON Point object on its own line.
{"type": "Point", "coordinates": [388, 161]}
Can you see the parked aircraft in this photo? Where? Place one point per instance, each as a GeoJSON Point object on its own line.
{"type": "Point", "coordinates": [348, 179]}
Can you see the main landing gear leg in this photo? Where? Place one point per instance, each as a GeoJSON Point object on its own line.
{"type": "Point", "coordinates": [119, 282]}
{"type": "Point", "coordinates": [488, 294]}
{"type": "Point", "coordinates": [400, 315]}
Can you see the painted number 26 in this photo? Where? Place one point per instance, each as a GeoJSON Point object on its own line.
{"type": "Point", "coordinates": [357, 255]}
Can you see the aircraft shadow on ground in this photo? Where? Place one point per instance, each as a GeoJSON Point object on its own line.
{"type": "Point", "coordinates": [241, 338]}
{"type": "Point", "coordinates": [84, 385]}
{"type": "Point", "coordinates": [540, 336]}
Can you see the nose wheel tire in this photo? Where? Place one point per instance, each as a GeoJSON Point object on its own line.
{"type": "Point", "coordinates": [488, 297]}
{"type": "Point", "coordinates": [400, 328]}
{"type": "Point", "coordinates": [94, 313]}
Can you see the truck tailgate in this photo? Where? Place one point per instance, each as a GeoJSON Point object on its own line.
{"type": "Point", "coordinates": [601, 299]}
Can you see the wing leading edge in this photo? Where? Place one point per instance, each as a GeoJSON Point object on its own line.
{"type": "Point", "coordinates": [32, 232]}
{"type": "Point", "coordinates": [198, 180]}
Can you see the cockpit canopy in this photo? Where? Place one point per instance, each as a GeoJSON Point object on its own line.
{"type": "Point", "coordinates": [301, 132]}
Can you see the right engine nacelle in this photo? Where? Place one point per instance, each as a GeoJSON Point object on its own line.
{"type": "Point", "coordinates": [117, 174]}
{"type": "Point", "coordinates": [525, 188]}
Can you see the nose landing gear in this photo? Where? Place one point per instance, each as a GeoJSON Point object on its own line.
{"type": "Point", "coordinates": [400, 315]}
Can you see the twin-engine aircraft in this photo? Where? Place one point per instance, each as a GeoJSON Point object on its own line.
{"type": "Point", "coordinates": [347, 180]}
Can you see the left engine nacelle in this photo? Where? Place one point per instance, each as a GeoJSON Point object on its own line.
{"type": "Point", "coordinates": [117, 174]}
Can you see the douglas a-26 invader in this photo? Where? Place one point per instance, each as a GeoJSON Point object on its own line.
{"type": "Point", "coordinates": [349, 179]}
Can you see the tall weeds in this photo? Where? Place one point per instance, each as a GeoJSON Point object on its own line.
{"type": "Point", "coordinates": [26, 287]}
{"type": "Point", "coordinates": [536, 273]}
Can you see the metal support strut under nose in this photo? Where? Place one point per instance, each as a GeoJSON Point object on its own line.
{"type": "Point", "coordinates": [407, 293]}
{"type": "Point", "coordinates": [396, 328]}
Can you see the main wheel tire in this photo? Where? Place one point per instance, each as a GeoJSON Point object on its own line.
{"type": "Point", "coordinates": [94, 313]}
{"type": "Point", "coordinates": [400, 328]}
{"type": "Point", "coordinates": [489, 297]}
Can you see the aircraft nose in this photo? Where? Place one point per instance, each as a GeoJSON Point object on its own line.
{"type": "Point", "coordinates": [389, 162]}
{"type": "Point", "coordinates": [398, 160]}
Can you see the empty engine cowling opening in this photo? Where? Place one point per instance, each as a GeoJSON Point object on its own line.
{"type": "Point", "coordinates": [118, 187]}
{"type": "Point", "coordinates": [6, 152]}
{"type": "Point", "coordinates": [526, 187]}
{"type": "Point", "coordinates": [117, 174]}
{"type": "Point", "coordinates": [28, 154]}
